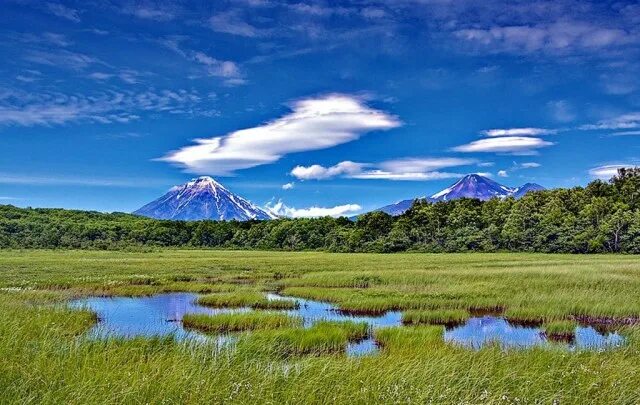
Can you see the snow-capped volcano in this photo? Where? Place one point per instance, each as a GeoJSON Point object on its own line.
{"type": "Point", "coordinates": [473, 186]}
{"type": "Point", "coordinates": [525, 188]}
{"type": "Point", "coordinates": [470, 186]}
{"type": "Point", "coordinates": [202, 198]}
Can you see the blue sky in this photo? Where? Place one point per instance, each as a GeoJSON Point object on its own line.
{"type": "Point", "coordinates": [341, 106]}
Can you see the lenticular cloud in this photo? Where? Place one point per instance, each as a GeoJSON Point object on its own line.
{"type": "Point", "coordinates": [314, 123]}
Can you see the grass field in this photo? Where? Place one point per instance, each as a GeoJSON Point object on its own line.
{"type": "Point", "coordinates": [45, 359]}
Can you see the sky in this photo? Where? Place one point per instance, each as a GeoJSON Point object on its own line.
{"type": "Point", "coordinates": [323, 107]}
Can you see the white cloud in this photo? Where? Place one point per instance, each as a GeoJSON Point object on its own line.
{"type": "Point", "coordinates": [53, 180]}
{"type": "Point", "coordinates": [61, 59]}
{"type": "Point", "coordinates": [529, 165]}
{"type": "Point", "coordinates": [314, 123]}
{"type": "Point", "coordinates": [608, 171]}
{"type": "Point", "coordinates": [484, 174]}
{"type": "Point", "coordinates": [280, 209]}
{"type": "Point", "coordinates": [288, 186]}
{"type": "Point", "coordinates": [561, 110]}
{"type": "Point", "coordinates": [408, 176]}
{"type": "Point", "coordinates": [100, 76]}
{"type": "Point", "coordinates": [318, 172]}
{"type": "Point", "coordinates": [518, 132]}
{"type": "Point", "coordinates": [228, 70]}
{"type": "Point", "coordinates": [409, 169]}
{"type": "Point", "coordinates": [26, 109]}
{"type": "Point", "coordinates": [619, 83]}
{"type": "Point", "coordinates": [558, 37]}
{"type": "Point", "coordinates": [220, 68]}
{"type": "Point", "coordinates": [625, 121]}
{"type": "Point", "coordinates": [503, 173]}
{"type": "Point", "coordinates": [626, 133]}
{"type": "Point", "coordinates": [517, 145]}
{"type": "Point", "coordinates": [151, 11]}
{"type": "Point", "coordinates": [63, 12]}
{"type": "Point", "coordinates": [232, 23]}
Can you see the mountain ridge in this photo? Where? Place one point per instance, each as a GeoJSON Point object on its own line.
{"type": "Point", "coordinates": [469, 186]}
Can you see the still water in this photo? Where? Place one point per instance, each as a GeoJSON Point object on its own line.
{"type": "Point", "coordinates": [478, 332]}
{"type": "Point", "coordinates": [161, 315]}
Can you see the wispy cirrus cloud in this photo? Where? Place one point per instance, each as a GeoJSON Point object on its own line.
{"type": "Point", "coordinates": [93, 181]}
{"type": "Point", "coordinates": [561, 111]}
{"type": "Point", "coordinates": [625, 133]}
{"type": "Point", "coordinates": [62, 11]}
{"type": "Point", "coordinates": [225, 69]}
{"type": "Point", "coordinates": [150, 10]}
{"type": "Point", "coordinates": [408, 169]}
{"type": "Point", "coordinates": [27, 109]}
{"type": "Point", "coordinates": [61, 58]}
{"type": "Point", "coordinates": [232, 22]}
{"type": "Point", "coordinates": [517, 167]}
{"type": "Point", "coordinates": [314, 123]}
{"type": "Point", "coordinates": [556, 37]}
{"type": "Point", "coordinates": [624, 121]}
{"type": "Point", "coordinates": [281, 209]}
{"type": "Point", "coordinates": [129, 76]}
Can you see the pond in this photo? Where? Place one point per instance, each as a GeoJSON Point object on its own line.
{"type": "Point", "coordinates": [161, 315]}
{"type": "Point", "coordinates": [478, 332]}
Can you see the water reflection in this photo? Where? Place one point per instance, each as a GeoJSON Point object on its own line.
{"type": "Point", "coordinates": [479, 332]}
{"type": "Point", "coordinates": [161, 315]}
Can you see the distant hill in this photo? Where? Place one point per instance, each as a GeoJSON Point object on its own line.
{"type": "Point", "coordinates": [202, 198]}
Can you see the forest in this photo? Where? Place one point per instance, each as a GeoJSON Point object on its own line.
{"type": "Point", "coordinates": [603, 217]}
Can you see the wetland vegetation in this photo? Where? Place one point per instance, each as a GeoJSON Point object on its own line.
{"type": "Point", "coordinates": [48, 356]}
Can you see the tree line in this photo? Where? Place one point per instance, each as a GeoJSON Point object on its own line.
{"type": "Point", "coordinates": [601, 217]}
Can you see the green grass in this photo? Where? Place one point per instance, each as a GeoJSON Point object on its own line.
{"type": "Point", "coordinates": [434, 317]}
{"type": "Point", "coordinates": [237, 322]}
{"type": "Point", "coordinates": [409, 339]}
{"type": "Point", "coordinates": [45, 359]}
{"type": "Point", "coordinates": [240, 299]}
{"type": "Point", "coordinates": [560, 329]}
{"type": "Point", "coordinates": [322, 338]}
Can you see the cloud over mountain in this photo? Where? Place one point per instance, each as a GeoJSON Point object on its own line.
{"type": "Point", "coordinates": [408, 169]}
{"type": "Point", "coordinates": [281, 209]}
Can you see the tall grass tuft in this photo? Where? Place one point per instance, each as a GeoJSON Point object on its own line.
{"type": "Point", "coordinates": [435, 317]}
{"type": "Point", "coordinates": [322, 338]}
{"type": "Point", "coordinates": [236, 322]}
{"type": "Point", "coordinates": [245, 299]}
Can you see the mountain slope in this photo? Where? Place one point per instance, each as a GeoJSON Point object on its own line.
{"type": "Point", "coordinates": [473, 186]}
{"type": "Point", "coordinates": [525, 188]}
{"type": "Point", "coordinates": [202, 198]}
{"type": "Point", "coordinates": [470, 186]}
{"type": "Point", "coordinates": [397, 208]}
